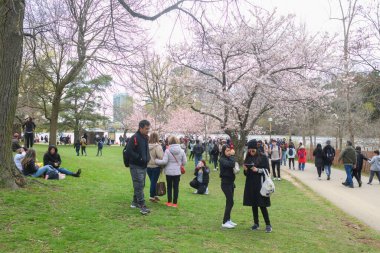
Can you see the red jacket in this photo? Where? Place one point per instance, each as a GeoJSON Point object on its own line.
{"type": "Point", "coordinates": [301, 155]}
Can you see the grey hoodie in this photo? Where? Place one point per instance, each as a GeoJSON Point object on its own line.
{"type": "Point", "coordinates": [173, 167]}
{"type": "Point", "coordinates": [375, 163]}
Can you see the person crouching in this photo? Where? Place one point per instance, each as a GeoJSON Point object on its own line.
{"type": "Point", "coordinates": [202, 178]}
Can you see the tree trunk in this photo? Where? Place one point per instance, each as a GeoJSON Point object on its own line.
{"type": "Point", "coordinates": [76, 131]}
{"type": "Point", "coordinates": [11, 39]}
{"type": "Point", "coordinates": [54, 119]}
{"type": "Point", "coordinates": [239, 143]}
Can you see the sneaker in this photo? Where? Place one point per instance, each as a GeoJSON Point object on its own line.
{"type": "Point", "coordinates": [215, 169]}
{"type": "Point", "coordinates": [168, 204]}
{"type": "Point", "coordinates": [328, 177]}
{"type": "Point", "coordinates": [174, 205]}
{"type": "Point", "coordinates": [144, 210]}
{"type": "Point", "coordinates": [360, 184]}
{"type": "Point", "coordinates": [232, 223]}
{"type": "Point", "coordinates": [133, 205]}
{"type": "Point", "coordinates": [157, 198]}
{"type": "Point", "coordinates": [207, 191]}
{"type": "Point", "coordinates": [153, 200]}
{"type": "Point", "coordinates": [275, 179]}
{"type": "Point", "coordinates": [255, 227]}
{"type": "Point", "coordinates": [268, 229]}
{"type": "Point", "coordinates": [350, 186]}
{"type": "Point", "coordinates": [78, 173]}
{"type": "Point", "coordinates": [345, 184]}
{"type": "Point", "coordinates": [227, 225]}
{"type": "Point", "coordinates": [369, 183]}
{"type": "Point", "coordinates": [279, 179]}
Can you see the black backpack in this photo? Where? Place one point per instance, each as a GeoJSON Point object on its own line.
{"type": "Point", "coordinates": [291, 151]}
{"type": "Point", "coordinates": [125, 153]}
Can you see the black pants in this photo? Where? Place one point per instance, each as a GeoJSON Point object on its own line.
{"type": "Point", "coordinates": [274, 165]}
{"type": "Point", "coordinates": [29, 140]}
{"type": "Point", "coordinates": [199, 186]}
{"type": "Point", "coordinates": [83, 149]}
{"type": "Point", "coordinates": [372, 175]}
{"type": "Point", "coordinates": [291, 160]}
{"type": "Point", "coordinates": [215, 161]}
{"type": "Point", "coordinates": [228, 190]}
{"type": "Point", "coordinates": [173, 184]}
{"type": "Point", "coordinates": [357, 174]}
{"type": "Point", "coordinates": [191, 155]}
{"type": "Point", "coordinates": [264, 211]}
{"type": "Point", "coordinates": [319, 169]}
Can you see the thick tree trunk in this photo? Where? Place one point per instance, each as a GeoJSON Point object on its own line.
{"type": "Point", "coordinates": [76, 131]}
{"type": "Point", "coordinates": [238, 139]}
{"type": "Point", "coordinates": [54, 119]}
{"type": "Point", "coordinates": [11, 37]}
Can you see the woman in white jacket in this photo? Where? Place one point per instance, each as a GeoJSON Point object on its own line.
{"type": "Point", "coordinates": [173, 159]}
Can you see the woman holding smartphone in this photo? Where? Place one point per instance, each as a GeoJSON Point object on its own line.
{"type": "Point", "coordinates": [254, 165]}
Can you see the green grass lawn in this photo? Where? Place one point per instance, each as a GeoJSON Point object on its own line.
{"type": "Point", "coordinates": [92, 214]}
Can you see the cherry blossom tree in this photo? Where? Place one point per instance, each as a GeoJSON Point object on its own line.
{"type": "Point", "coordinates": [249, 67]}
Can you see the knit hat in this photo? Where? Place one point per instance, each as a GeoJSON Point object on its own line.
{"type": "Point", "coordinates": [252, 144]}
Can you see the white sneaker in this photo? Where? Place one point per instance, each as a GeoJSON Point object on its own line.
{"type": "Point", "coordinates": [319, 178]}
{"type": "Point", "coordinates": [232, 223]}
{"type": "Point", "coordinates": [227, 225]}
{"type": "Point", "coordinates": [279, 179]}
{"type": "Point", "coordinates": [275, 179]}
{"type": "Point", "coordinates": [196, 192]}
{"type": "Point", "coordinates": [206, 191]}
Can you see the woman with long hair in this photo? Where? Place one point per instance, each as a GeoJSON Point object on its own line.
{"type": "Point", "coordinates": [29, 167]}
{"type": "Point", "coordinates": [154, 170]}
{"type": "Point", "coordinates": [227, 164]}
{"type": "Point", "coordinates": [254, 165]}
{"type": "Point", "coordinates": [318, 159]}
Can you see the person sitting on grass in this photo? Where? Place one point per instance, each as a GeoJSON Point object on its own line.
{"type": "Point", "coordinates": [202, 178]}
{"type": "Point", "coordinates": [375, 167]}
{"type": "Point", "coordinates": [53, 159]}
{"type": "Point", "coordinates": [29, 167]}
{"type": "Point", "coordinates": [20, 155]}
{"type": "Point", "coordinates": [15, 142]}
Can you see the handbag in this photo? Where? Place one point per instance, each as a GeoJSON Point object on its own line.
{"type": "Point", "coordinates": [267, 187]}
{"type": "Point", "coordinates": [183, 171]}
{"type": "Point", "coordinates": [160, 186]}
{"type": "Point", "coordinates": [236, 168]}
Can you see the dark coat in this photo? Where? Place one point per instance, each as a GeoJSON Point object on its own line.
{"type": "Point", "coordinates": [206, 175]}
{"type": "Point", "coordinates": [326, 150]}
{"type": "Point", "coordinates": [138, 150]}
{"type": "Point", "coordinates": [253, 182]}
{"type": "Point", "coordinates": [359, 160]}
{"type": "Point", "coordinates": [15, 145]}
{"type": "Point", "coordinates": [318, 155]}
{"type": "Point", "coordinates": [29, 168]}
{"type": "Point", "coordinates": [227, 165]}
{"type": "Point", "coordinates": [51, 159]}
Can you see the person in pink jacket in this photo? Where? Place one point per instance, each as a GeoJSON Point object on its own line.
{"type": "Point", "coordinates": [301, 158]}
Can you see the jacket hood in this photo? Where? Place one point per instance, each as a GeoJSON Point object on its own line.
{"type": "Point", "coordinates": [51, 147]}
{"type": "Point", "coordinates": [175, 149]}
{"type": "Point", "coordinates": [153, 146]}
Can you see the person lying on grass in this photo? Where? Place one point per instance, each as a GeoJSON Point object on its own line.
{"type": "Point", "coordinates": [53, 159]}
{"type": "Point", "coordinates": [29, 167]}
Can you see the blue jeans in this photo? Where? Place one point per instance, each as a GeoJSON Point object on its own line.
{"type": "Point", "coordinates": [65, 171]}
{"type": "Point", "coordinates": [283, 158]}
{"type": "Point", "coordinates": [328, 170]}
{"type": "Point", "coordinates": [348, 168]}
{"type": "Point", "coordinates": [301, 166]}
{"type": "Point", "coordinates": [154, 174]}
{"type": "Point", "coordinates": [42, 171]}
{"type": "Point", "coordinates": [197, 159]}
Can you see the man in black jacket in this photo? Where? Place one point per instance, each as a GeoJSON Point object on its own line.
{"type": "Point", "coordinates": [328, 158]}
{"type": "Point", "coordinates": [357, 171]}
{"type": "Point", "coordinates": [138, 153]}
{"type": "Point", "coordinates": [53, 159]}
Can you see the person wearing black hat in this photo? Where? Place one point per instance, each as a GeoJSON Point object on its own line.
{"type": "Point", "coordinates": [254, 165]}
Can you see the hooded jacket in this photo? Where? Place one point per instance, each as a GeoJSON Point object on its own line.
{"type": "Point", "coordinates": [348, 156]}
{"type": "Point", "coordinates": [173, 165]}
{"type": "Point", "coordinates": [156, 152]}
{"type": "Point", "coordinates": [50, 159]}
{"type": "Point", "coordinates": [301, 154]}
{"type": "Point", "coordinates": [227, 165]}
{"type": "Point", "coordinates": [138, 150]}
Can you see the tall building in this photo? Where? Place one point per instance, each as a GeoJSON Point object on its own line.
{"type": "Point", "coordinates": [122, 106]}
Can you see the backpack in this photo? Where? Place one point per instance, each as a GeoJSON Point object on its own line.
{"type": "Point", "coordinates": [125, 153]}
{"type": "Point", "coordinates": [329, 154]}
{"type": "Point", "coordinates": [53, 174]}
{"type": "Point", "coordinates": [267, 187]}
{"type": "Point", "coordinates": [301, 155]}
{"type": "Point", "coordinates": [198, 149]}
{"type": "Point", "coordinates": [291, 152]}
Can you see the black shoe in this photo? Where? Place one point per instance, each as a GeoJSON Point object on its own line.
{"type": "Point", "coordinates": [78, 173]}
{"type": "Point", "coordinates": [345, 184]}
{"type": "Point", "coordinates": [360, 184]}
{"type": "Point", "coordinates": [328, 177]}
{"type": "Point", "coordinates": [144, 210]}
{"type": "Point", "coordinates": [350, 186]}
{"type": "Point", "coordinates": [268, 229]}
{"type": "Point", "coordinates": [255, 227]}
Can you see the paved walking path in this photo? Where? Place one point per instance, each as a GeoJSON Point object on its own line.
{"type": "Point", "coordinates": [362, 203]}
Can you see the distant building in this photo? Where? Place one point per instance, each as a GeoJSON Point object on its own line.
{"type": "Point", "coordinates": [122, 106]}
